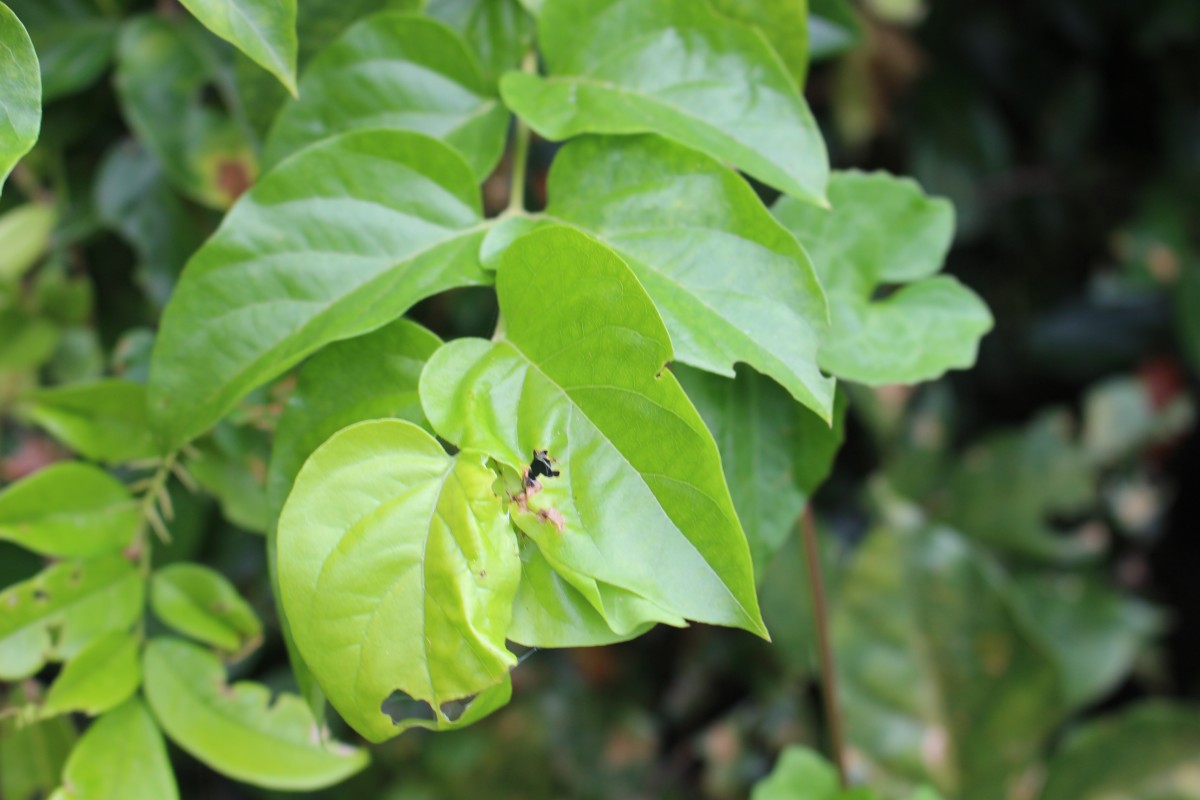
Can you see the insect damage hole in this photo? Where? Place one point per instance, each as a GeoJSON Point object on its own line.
{"type": "Point", "coordinates": [402, 707]}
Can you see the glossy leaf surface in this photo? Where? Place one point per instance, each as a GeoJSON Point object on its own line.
{"type": "Point", "coordinates": [239, 730]}
{"type": "Point", "coordinates": [500, 31]}
{"type": "Point", "coordinates": [20, 93]}
{"type": "Point", "coordinates": [639, 521]}
{"type": "Point", "coordinates": [121, 755]}
{"type": "Point", "coordinates": [265, 30]}
{"type": "Point", "coordinates": [53, 615]}
{"type": "Point", "coordinates": [784, 24]}
{"type": "Point", "coordinates": [401, 72]}
{"type": "Point", "coordinates": [102, 676]}
{"type": "Point", "coordinates": [332, 244]}
{"type": "Point", "coordinates": [398, 570]}
{"type": "Point", "coordinates": [69, 510]}
{"type": "Point", "coordinates": [203, 604]}
{"type": "Point", "coordinates": [883, 231]}
{"type": "Point", "coordinates": [102, 420]}
{"type": "Point", "coordinates": [676, 68]}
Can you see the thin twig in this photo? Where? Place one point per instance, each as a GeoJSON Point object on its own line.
{"type": "Point", "coordinates": [520, 157]}
{"type": "Point", "coordinates": [829, 693]}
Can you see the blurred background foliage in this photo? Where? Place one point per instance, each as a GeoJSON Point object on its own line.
{"type": "Point", "coordinates": [1011, 551]}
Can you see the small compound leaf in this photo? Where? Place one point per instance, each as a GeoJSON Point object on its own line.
{"type": "Point", "coordinates": [121, 755]}
{"type": "Point", "coordinates": [163, 68]}
{"type": "Point", "coordinates": [265, 30]}
{"type": "Point", "coordinates": [203, 604]}
{"type": "Point", "coordinates": [332, 244]}
{"type": "Point", "coordinates": [53, 615]}
{"type": "Point", "coordinates": [1148, 751]}
{"type": "Point", "coordinates": [25, 234]}
{"type": "Point", "coordinates": [883, 231]}
{"type": "Point", "coordinates": [398, 569]}
{"type": "Point", "coordinates": [103, 420]}
{"type": "Point", "coordinates": [32, 754]}
{"type": "Point", "coordinates": [103, 675]}
{"type": "Point", "coordinates": [640, 512]}
{"type": "Point", "coordinates": [676, 68]}
{"type": "Point", "coordinates": [69, 510]}
{"type": "Point", "coordinates": [775, 452]}
{"type": "Point", "coordinates": [20, 93]}
{"type": "Point", "coordinates": [784, 23]}
{"type": "Point", "coordinates": [499, 31]}
{"type": "Point", "coordinates": [730, 282]}
{"type": "Point", "coordinates": [398, 72]}
{"type": "Point", "coordinates": [237, 730]}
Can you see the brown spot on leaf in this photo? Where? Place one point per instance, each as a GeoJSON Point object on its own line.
{"type": "Point", "coordinates": [233, 178]}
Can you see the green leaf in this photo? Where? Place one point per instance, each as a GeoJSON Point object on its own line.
{"type": "Point", "coordinates": [731, 284]}
{"type": "Point", "coordinates": [163, 70]}
{"type": "Point", "coordinates": [265, 30]}
{"type": "Point", "coordinates": [237, 730]}
{"type": "Point", "coordinates": [832, 28]}
{"type": "Point", "coordinates": [103, 420]}
{"type": "Point", "coordinates": [1147, 752]}
{"type": "Point", "coordinates": [801, 774]}
{"type": "Point", "coordinates": [121, 755]}
{"type": "Point", "coordinates": [69, 510]}
{"type": "Point", "coordinates": [24, 238]}
{"type": "Point", "coordinates": [398, 569]}
{"type": "Point", "coordinates": [775, 452]}
{"type": "Point", "coordinates": [880, 232]}
{"type": "Point", "coordinates": [335, 242]}
{"type": "Point", "coordinates": [1095, 633]}
{"type": "Point", "coordinates": [396, 72]}
{"type": "Point", "coordinates": [940, 681]}
{"type": "Point", "coordinates": [203, 604]}
{"type": "Point", "coordinates": [53, 615]}
{"type": "Point", "coordinates": [231, 464]}
{"type": "Point", "coordinates": [73, 41]}
{"type": "Point", "coordinates": [26, 340]}
{"type": "Point", "coordinates": [20, 93]}
{"type": "Point", "coordinates": [368, 377]}
{"type": "Point", "coordinates": [32, 754]}
{"type": "Point", "coordinates": [499, 31]}
{"type": "Point", "coordinates": [784, 24]}
{"type": "Point", "coordinates": [676, 68]}
{"type": "Point", "coordinates": [103, 675]}
{"type": "Point", "coordinates": [640, 520]}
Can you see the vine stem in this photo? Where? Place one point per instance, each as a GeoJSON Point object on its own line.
{"type": "Point", "coordinates": [155, 494]}
{"type": "Point", "coordinates": [829, 693]}
{"type": "Point", "coordinates": [520, 158]}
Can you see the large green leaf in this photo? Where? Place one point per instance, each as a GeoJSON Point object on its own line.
{"type": "Point", "coordinates": [69, 510]}
{"type": "Point", "coordinates": [334, 243]}
{"type": "Point", "coordinates": [103, 420]}
{"type": "Point", "coordinates": [54, 614]}
{"type": "Point", "coordinates": [640, 520]}
{"type": "Point", "coordinates": [238, 730]}
{"type": "Point", "coordinates": [163, 70]}
{"type": "Point", "coordinates": [775, 452]}
{"type": "Point", "coordinates": [677, 68]}
{"type": "Point", "coordinates": [500, 31]}
{"type": "Point", "coordinates": [74, 42]}
{"type": "Point", "coordinates": [731, 284]}
{"type": "Point", "coordinates": [1147, 752]}
{"type": "Point", "coordinates": [398, 569]}
{"type": "Point", "coordinates": [940, 681]}
{"type": "Point", "coordinates": [265, 30]}
{"type": "Point", "coordinates": [368, 377]}
{"type": "Point", "coordinates": [102, 676]}
{"type": "Point", "coordinates": [20, 93]}
{"type": "Point", "coordinates": [884, 231]}
{"type": "Point", "coordinates": [396, 71]}
{"type": "Point", "coordinates": [784, 23]}
{"type": "Point", "coordinates": [121, 755]}
{"type": "Point", "coordinates": [203, 604]}
{"type": "Point", "coordinates": [32, 754]}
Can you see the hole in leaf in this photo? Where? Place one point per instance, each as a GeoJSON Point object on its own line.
{"type": "Point", "coordinates": [454, 709]}
{"type": "Point", "coordinates": [402, 707]}
{"type": "Point", "coordinates": [40, 595]}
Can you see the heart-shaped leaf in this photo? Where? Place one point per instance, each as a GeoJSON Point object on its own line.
{"type": "Point", "coordinates": [335, 242]}
{"type": "Point", "coordinates": [265, 30]}
{"type": "Point", "coordinates": [401, 72]}
{"type": "Point", "coordinates": [20, 93]}
{"type": "Point", "coordinates": [676, 68]}
{"type": "Point", "coordinates": [121, 755]}
{"type": "Point", "coordinates": [883, 231]}
{"type": "Point", "coordinates": [639, 521]}
{"type": "Point", "coordinates": [238, 730]}
{"type": "Point", "coordinates": [54, 614]}
{"type": "Point", "coordinates": [398, 569]}
{"type": "Point", "coordinates": [69, 510]}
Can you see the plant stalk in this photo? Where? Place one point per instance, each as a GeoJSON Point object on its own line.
{"type": "Point", "coordinates": [829, 693]}
{"type": "Point", "coordinates": [520, 157]}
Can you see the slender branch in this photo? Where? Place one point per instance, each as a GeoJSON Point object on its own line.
{"type": "Point", "coordinates": [520, 157]}
{"type": "Point", "coordinates": [816, 586]}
